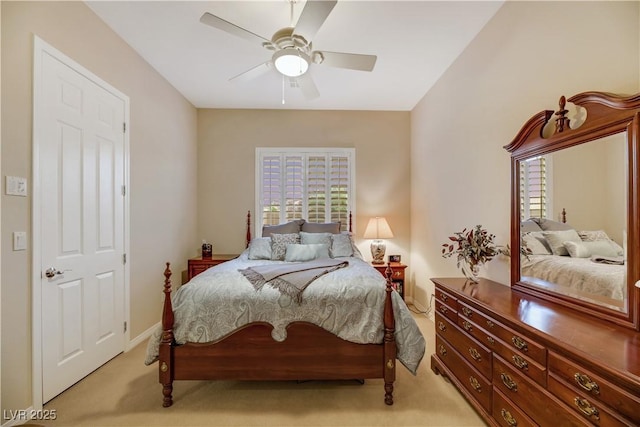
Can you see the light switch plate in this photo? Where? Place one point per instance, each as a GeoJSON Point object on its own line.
{"type": "Point", "coordinates": [16, 186]}
{"type": "Point", "coordinates": [19, 240]}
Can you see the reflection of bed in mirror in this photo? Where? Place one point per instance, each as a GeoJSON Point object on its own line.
{"type": "Point", "coordinates": [588, 265]}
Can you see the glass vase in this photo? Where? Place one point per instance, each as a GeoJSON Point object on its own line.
{"type": "Point", "coordinates": [471, 272]}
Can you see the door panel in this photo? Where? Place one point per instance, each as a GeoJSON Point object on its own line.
{"type": "Point", "coordinates": [81, 152]}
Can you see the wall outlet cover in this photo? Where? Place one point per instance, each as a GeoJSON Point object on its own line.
{"type": "Point", "coordinates": [16, 186]}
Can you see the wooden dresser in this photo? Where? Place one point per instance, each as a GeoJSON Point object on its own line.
{"type": "Point", "coordinates": [523, 361]}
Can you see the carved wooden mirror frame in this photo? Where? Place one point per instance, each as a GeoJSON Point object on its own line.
{"type": "Point", "coordinates": [606, 114]}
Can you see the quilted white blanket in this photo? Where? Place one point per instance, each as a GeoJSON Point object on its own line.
{"type": "Point", "coordinates": [347, 302]}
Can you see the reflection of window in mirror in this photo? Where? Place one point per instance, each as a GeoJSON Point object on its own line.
{"type": "Point", "coordinates": [535, 179]}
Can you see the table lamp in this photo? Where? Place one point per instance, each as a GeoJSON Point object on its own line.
{"type": "Point", "coordinates": [378, 228]}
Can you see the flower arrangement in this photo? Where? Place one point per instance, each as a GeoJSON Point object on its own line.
{"type": "Point", "coordinates": [472, 248]}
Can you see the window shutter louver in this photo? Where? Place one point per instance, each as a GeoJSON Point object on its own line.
{"type": "Point", "coordinates": [271, 190]}
{"type": "Point", "coordinates": [533, 188]}
{"type": "Point", "coordinates": [340, 190]}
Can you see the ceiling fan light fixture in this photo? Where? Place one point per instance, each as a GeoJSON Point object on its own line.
{"type": "Point", "coordinates": [291, 62]}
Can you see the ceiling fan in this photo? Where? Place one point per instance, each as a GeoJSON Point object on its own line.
{"type": "Point", "coordinates": [292, 49]}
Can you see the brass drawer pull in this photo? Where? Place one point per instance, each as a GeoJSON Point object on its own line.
{"type": "Point", "coordinates": [506, 415]}
{"type": "Point", "coordinates": [490, 324]}
{"type": "Point", "coordinates": [443, 309]}
{"type": "Point", "coordinates": [520, 362]}
{"type": "Point", "coordinates": [586, 408]}
{"type": "Point", "coordinates": [586, 383]}
{"type": "Point", "coordinates": [475, 384]}
{"type": "Point", "coordinates": [441, 326]}
{"type": "Point", "coordinates": [475, 354]}
{"type": "Point", "coordinates": [491, 340]}
{"type": "Point", "coordinates": [467, 326]}
{"type": "Point", "coordinates": [443, 297]}
{"type": "Point", "coordinates": [443, 351]}
{"type": "Point", "coordinates": [509, 382]}
{"type": "Point", "coordinates": [519, 343]}
{"type": "Point", "coordinates": [467, 312]}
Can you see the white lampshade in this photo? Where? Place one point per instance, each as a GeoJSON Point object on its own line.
{"type": "Point", "coordinates": [291, 62]}
{"type": "Point", "coordinates": [378, 228]}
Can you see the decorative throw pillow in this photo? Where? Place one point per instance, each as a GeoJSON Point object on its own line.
{"type": "Point", "coordinates": [326, 227]}
{"type": "Point", "coordinates": [536, 243]}
{"type": "Point", "coordinates": [299, 253]}
{"type": "Point", "coordinates": [260, 248]}
{"type": "Point", "coordinates": [556, 240]}
{"type": "Point", "coordinates": [310, 238]}
{"type": "Point", "coordinates": [592, 236]}
{"type": "Point", "coordinates": [279, 244]}
{"type": "Point", "coordinates": [590, 248]}
{"type": "Point", "coordinates": [341, 245]}
{"type": "Point", "coordinates": [288, 228]}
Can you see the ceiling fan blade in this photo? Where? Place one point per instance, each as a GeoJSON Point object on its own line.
{"type": "Point", "coordinates": [307, 86]}
{"type": "Point", "coordinates": [252, 73]}
{"type": "Point", "coordinates": [312, 17]}
{"type": "Point", "coordinates": [230, 28]}
{"type": "Point", "coordinates": [352, 61]}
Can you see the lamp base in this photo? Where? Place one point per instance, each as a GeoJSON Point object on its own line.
{"type": "Point", "coordinates": [378, 249]}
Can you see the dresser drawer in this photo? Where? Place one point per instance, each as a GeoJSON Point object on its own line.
{"type": "Point", "coordinates": [521, 362]}
{"type": "Point", "coordinates": [447, 298]}
{"type": "Point", "coordinates": [540, 405]}
{"type": "Point", "coordinates": [507, 414]}
{"type": "Point", "coordinates": [596, 387]}
{"type": "Point", "coordinates": [476, 354]}
{"type": "Point", "coordinates": [446, 311]}
{"type": "Point", "coordinates": [514, 339]}
{"type": "Point", "coordinates": [474, 382]}
{"type": "Point", "coordinates": [584, 405]}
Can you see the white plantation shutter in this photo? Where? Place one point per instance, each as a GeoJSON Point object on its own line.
{"type": "Point", "coordinates": [534, 197]}
{"type": "Point", "coordinates": [340, 189]}
{"type": "Point", "coordinates": [294, 183]}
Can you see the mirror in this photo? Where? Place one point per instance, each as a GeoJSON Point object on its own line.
{"type": "Point", "coordinates": [575, 206]}
{"type": "Point", "coordinates": [579, 193]}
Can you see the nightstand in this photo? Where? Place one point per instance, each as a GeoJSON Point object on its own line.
{"type": "Point", "coordinates": [397, 275]}
{"type": "Point", "coordinates": [199, 264]}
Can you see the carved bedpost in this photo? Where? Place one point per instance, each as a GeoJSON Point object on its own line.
{"type": "Point", "coordinates": [166, 350]}
{"type": "Point", "coordinates": [248, 228]}
{"type": "Point", "coordinates": [350, 222]}
{"type": "Point", "coordinates": [389, 341]}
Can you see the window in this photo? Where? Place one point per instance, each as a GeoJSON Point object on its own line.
{"type": "Point", "coordinates": [314, 184]}
{"type": "Point", "coordinates": [535, 179]}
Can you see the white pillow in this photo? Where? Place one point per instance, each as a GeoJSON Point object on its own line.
{"type": "Point", "coordinates": [590, 248]}
{"type": "Point", "coordinates": [312, 238]}
{"type": "Point", "coordinates": [299, 253]}
{"type": "Point", "coordinates": [260, 248]}
{"type": "Point", "coordinates": [556, 240]}
{"type": "Point", "coordinates": [341, 245]}
{"type": "Point", "coordinates": [536, 243]}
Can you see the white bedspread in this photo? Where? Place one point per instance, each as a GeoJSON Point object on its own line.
{"type": "Point", "coordinates": [347, 302]}
{"type": "Point", "coordinates": [580, 274]}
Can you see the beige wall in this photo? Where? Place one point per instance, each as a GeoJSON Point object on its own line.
{"type": "Point", "coordinates": [528, 55]}
{"type": "Point", "coordinates": [162, 179]}
{"type": "Point", "coordinates": [227, 140]}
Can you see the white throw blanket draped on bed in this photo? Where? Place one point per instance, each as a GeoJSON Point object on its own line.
{"type": "Point", "coordinates": [347, 302]}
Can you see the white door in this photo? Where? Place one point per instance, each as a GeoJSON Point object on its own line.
{"type": "Point", "coordinates": [81, 167]}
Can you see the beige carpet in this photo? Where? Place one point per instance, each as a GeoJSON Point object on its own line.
{"type": "Point", "coordinates": [125, 392]}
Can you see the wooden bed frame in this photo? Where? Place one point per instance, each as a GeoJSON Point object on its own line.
{"type": "Point", "coordinates": [250, 353]}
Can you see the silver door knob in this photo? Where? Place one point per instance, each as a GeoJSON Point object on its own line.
{"type": "Point", "coordinates": [52, 271]}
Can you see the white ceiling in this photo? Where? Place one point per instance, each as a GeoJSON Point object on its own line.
{"type": "Point", "coordinates": [415, 42]}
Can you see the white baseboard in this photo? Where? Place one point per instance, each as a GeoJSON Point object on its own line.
{"type": "Point", "coordinates": [140, 338]}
